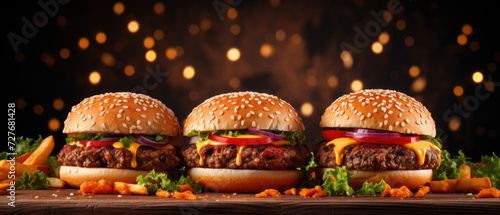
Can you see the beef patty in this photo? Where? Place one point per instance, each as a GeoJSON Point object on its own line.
{"type": "Point", "coordinates": [147, 157]}
{"type": "Point", "coordinates": [375, 157]}
{"type": "Point", "coordinates": [252, 156]}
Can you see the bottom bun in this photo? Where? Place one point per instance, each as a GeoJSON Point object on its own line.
{"type": "Point", "coordinates": [412, 179]}
{"type": "Point", "coordinates": [245, 180]}
{"type": "Point", "coordinates": [76, 176]}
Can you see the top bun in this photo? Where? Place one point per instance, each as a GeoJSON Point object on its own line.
{"type": "Point", "coordinates": [122, 113]}
{"type": "Point", "coordinates": [242, 110]}
{"type": "Point", "coordinates": [387, 110]}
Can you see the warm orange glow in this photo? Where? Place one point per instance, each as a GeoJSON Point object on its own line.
{"type": "Point", "coordinates": [129, 70]}
{"type": "Point", "coordinates": [133, 26]}
{"type": "Point", "coordinates": [490, 86]}
{"type": "Point", "coordinates": [384, 38]}
{"type": "Point", "coordinates": [347, 59]}
{"type": "Point", "coordinates": [158, 34]}
{"type": "Point", "coordinates": [159, 8]}
{"type": "Point", "coordinates": [193, 29]}
{"type": "Point", "coordinates": [307, 109]}
{"type": "Point", "coordinates": [356, 85]}
{"type": "Point", "coordinates": [462, 39]}
{"type": "Point", "coordinates": [233, 54]}
{"type": "Point", "coordinates": [150, 56]}
{"type": "Point", "coordinates": [235, 29]}
{"type": "Point", "coordinates": [414, 71]}
{"type": "Point", "coordinates": [387, 16]}
{"type": "Point", "coordinates": [54, 124]}
{"type": "Point", "coordinates": [38, 109]}
{"type": "Point", "coordinates": [333, 81]}
{"type": "Point", "coordinates": [280, 35]}
{"type": "Point", "coordinates": [400, 25]}
{"type": "Point", "coordinates": [83, 43]}
{"type": "Point", "coordinates": [100, 37]}
{"type": "Point", "coordinates": [266, 50]}
{"type": "Point", "coordinates": [467, 29]}
{"type": "Point", "coordinates": [205, 24]}
{"type": "Point", "coordinates": [149, 42]}
{"type": "Point", "coordinates": [234, 83]}
{"type": "Point", "coordinates": [108, 59]}
{"type": "Point", "coordinates": [377, 47]}
{"type": "Point", "coordinates": [118, 8]}
{"type": "Point", "coordinates": [94, 77]}
{"type": "Point", "coordinates": [458, 90]}
{"type": "Point", "coordinates": [20, 103]}
{"type": "Point", "coordinates": [454, 124]}
{"type": "Point", "coordinates": [171, 53]}
{"type": "Point", "coordinates": [48, 59]}
{"type": "Point", "coordinates": [296, 39]}
{"type": "Point", "coordinates": [58, 104]}
{"type": "Point", "coordinates": [477, 77]}
{"type": "Point", "coordinates": [64, 53]}
{"type": "Point", "coordinates": [188, 72]}
{"type": "Point", "coordinates": [232, 13]}
{"type": "Point", "coordinates": [409, 41]}
{"type": "Point", "coordinates": [194, 95]}
{"type": "Point", "coordinates": [474, 46]}
{"type": "Point", "coordinates": [419, 84]}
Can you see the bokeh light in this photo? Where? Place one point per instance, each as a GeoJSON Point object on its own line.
{"type": "Point", "coordinates": [133, 26]}
{"type": "Point", "coordinates": [100, 37]}
{"type": "Point", "coordinates": [377, 47]}
{"type": "Point", "coordinates": [149, 42]}
{"type": "Point", "coordinates": [461, 39]}
{"type": "Point", "coordinates": [83, 43]}
{"type": "Point", "coordinates": [409, 41]}
{"type": "Point", "coordinates": [384, 38]}
{"type": "Point", "coordinates": [232, 13]}
{"type": "Point", "coordinates": [150, 55]}
{"type": "Point", "coordinates": [419, 84]}
{"type": "Point", "coordinates": [234, 83]}
{"type": "Point", "coordinates": [129, 70]}
{"type": "Point", "coordinates": [307, 109]}
{"type": "Point", "coordinates": [233, 54]}
{"type": "Point", "coordinates": [38, 109]}
{"type": "Point", "coordinates": [58, 104]}
{"type": "Point", "coordinates": [188, 72]}
{"type": "Point", "coordinates": [458, 90]}
{"type": "Point", "coordinates": [54, 124]}
{"type": "Point", "coordinates": [159, 8]}
{"type": "Point", "coordinates": [64, 53]}
{"type": "Point", "coordinates": [280, 35]}
{"type": "Point", "coordinates": [400, 25]}
{"type": "Point", "coordinates": [332, 81]}
{"type": "Point", "coordinates": [414, 71]}
{"type": "Point", "coordinates": [477, 77]}
{"type": "Point", "coordinates": [266, 50]}
{"type": "Point", "coordinates": [467, 29]}
{"type": "Point", "coordinates": [171, 53]}
{"type": "Point", "coordinates": [454, 124]}
{"type": "Point", "coordinates": [118, 8]}
{"type": "Point", "coordinates": [356, 85]}
{"type": "Point", "coordinates": [95, 77]}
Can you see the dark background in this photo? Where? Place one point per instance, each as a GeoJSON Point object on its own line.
{"type": "Point", "coordinates": [304, 68]}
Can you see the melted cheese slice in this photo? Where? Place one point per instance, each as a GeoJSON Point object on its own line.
{"type": "Point", "coordinates": [132, 148]}
{"type": "Point", "coordinates": [420, 148]}
{"type": "Point", "coordinates": [208, 142]}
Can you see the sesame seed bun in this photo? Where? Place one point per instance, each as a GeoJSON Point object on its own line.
{"type": "Point", "coordinates": [413, 179]}
{"type": "Point", "coordinates": [122, 113]}
{"type": "Point", "coordinates": [242, 110]}
{"type": "Point", "coordinates": [245, 180]}
{"type": "Point", "coordinates": [379, 109]}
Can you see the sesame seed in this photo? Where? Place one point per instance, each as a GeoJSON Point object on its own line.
{"type": "Point", "coordinates": [369, 115]}
{"type": "Point", "coordinates": [127, 118]}
{"type": "Point", "coordinates": [137, 109]}
{"type": "Point", "coordinates": [386, 116]}
{"type": "Point", "coordinates": [385, 122]}
{"type": "Point", "coordinates": [253, 124]}
{"type": "Point", "coordinates": [380, 125]}
{"type": "Point", "coordinates": [362, 117]}
{"type": "Point", "coordinates": [266, 109]}
{"type": "Point", "coordinates": [375, 110]}
{"type": "Point", "coordinates": [242, 122]}
{"type": "Point", "coordinates": [403, 124]}
{"type": "Point", "coordinates": [346, 117]}
{"type": "Point", "coordinates": [119, 115]}
{"type": "Point", "coordinates": [221, 112]}
{"type": "Point", "coordinates": [390, 127]}
{"type": "Point", "coordinates": [239, 117]}
{"type": "Point", "coordinates": [260, 115]}
{"type": "Point", "coordinates": [277, 112]}
{"type": "Point", "coordinates": [271, 116]}
{"type": "Point", "coordinates": [407, 120]}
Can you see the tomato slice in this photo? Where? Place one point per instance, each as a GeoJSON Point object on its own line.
{"type": "Point", "coordinates": [389, 140]}
{"type": "Point", "coordinates": [241, 141]}
{"type": "Point", "coordinates": [96, 143]}
{"type": "Point", "coordinates": [333, 134]}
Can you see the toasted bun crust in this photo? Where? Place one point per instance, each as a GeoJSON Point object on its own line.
{"type": "Point", "coordinates": [379, 109]}
{"type": "Point", "coordinates": [412, 179]}
{"type": "Point", "coordinates": [245, 180]}
{"type": "Point", "coordinates": [76, 176]}
{"type": "Point", "coordinates": [242, 110]}
{"type": "Point", "coordinates": [122, 113]}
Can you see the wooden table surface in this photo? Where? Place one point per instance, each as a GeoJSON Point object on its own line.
{"type": "Point", "coordinates": [62, 202]}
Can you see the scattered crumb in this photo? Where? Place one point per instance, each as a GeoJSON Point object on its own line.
{"type": "Point", "coordinates": [469, 194]}
{"type": "Point", "coordinates": [216, 200]}
{"type": "Point", "coordinates": [68, 197]}
{"type": "Point", "coordinates": [71, 194]}
{"type": "Point", "coordinates": [119, 196]}
{"type": "Point", "coordinates": [234, 194]}
{"type": "Point", "coordinates": [36, 197]}
{"type": "Point", "coordinates": [58, 191]}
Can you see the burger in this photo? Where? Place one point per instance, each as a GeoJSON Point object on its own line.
{"type": "Point", "coordinates": [245, 142]}
{"type": "Point", "coordinates": [117, 137]}
{"type": "Point", "coordinates": [379, 135]}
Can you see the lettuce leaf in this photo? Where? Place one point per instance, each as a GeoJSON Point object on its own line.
{"type": "Point", "coordinates": [490, 169]}
{"type": "Point", "coordinates": [39, 182]}
{"type": "Point", "coordinates": [435, 141]}
{"type": "Point", "coordinates": [450, 167]}
{"type": "Point", "coordinates": [308, 181]}
{"type": "Point", "coordinates": [370, 189]}
{"type": "Point", "coordinates": [340, 186]}
{"type": "Point", "coordinates": [154, 181]}
{"type": "Point", "coordinates": [24, 145]}
{"type": "Point", "coordinates": [203, 136]}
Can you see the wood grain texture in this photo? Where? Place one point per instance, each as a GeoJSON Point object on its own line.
{"type": "Point", "coordinates": [27, 202]}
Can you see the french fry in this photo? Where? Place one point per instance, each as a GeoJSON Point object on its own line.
{"type": "Point", "coordinates": [23, 157]}
{"type": "Point", "coordinates": [472, 184]}
{"type": "Point", "coordinates": [55, 182]}
{"type": "Point", "coordinates": [444, 186]}
{"type": "Point", "coordinates": [465, 171]}
{"type": "Point", "coordinates": [7, 180]}
{"type": "Point", "coordinates": [460, 185]}
{"type": "Point", "coordinates": [126, 188]}
{"type": "Point", "coordinates": [42, 152]}
{"type": "Point", "coordinates": [20, 168]}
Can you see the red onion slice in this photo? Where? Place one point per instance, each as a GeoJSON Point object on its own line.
{"type": "Point", "coordinates": [360, 132]}
{"type": "Point", "coordinates": [149, 142]}
{"type": "Point", "coordinates": [265, 133]}
{"type": "Point", "coordinates": [194, 139]}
